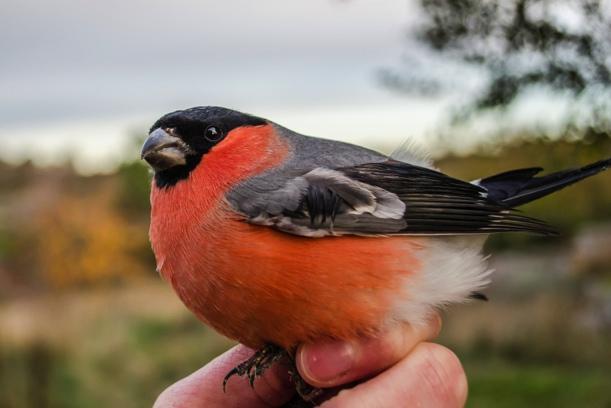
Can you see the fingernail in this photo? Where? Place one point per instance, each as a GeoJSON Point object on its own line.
{"type": "Point", "coordinates": [325, 362]}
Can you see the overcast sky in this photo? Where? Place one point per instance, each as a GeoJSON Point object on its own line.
{"type": "Point", "coordinates": [77, 76]}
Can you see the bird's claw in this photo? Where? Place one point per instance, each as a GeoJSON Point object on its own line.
{"type": "Point", "coordinates": [305, 390]}
{"type": "Point", "coordinates": [264, 358]}
{"type": "Point", "coordinates": [256, 365]}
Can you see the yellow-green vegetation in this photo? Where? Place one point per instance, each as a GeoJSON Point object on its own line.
{"type": "Point", "coordinates": [495, 382]}
{"type": "Point", "coordinates": [86, 322]}
{"type": "Point", "coordinates": [99, 348]}
{"type": "Point", "coordinates": [123, 346]}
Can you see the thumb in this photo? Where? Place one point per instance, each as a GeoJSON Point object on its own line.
{"type": "Point", "coordinates": [430, 376]}
{"type": "Point", "coordinates": [334, 363]}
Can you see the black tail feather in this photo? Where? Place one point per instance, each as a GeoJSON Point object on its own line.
{"type": "Point", "coordinates": [517, 187]}
{"type": "Point", "coordinates": [478, 296]}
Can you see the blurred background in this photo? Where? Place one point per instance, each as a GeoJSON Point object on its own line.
{"type": "Point", "coordinates": [482, 86]}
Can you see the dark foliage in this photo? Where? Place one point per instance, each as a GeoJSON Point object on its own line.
{"type": "Point", "coordinates": [564, 45]}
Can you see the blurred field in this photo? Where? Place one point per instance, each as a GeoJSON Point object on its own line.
{"type": "Point", "coordinates": [99, 348]}
{"type": "Point", "coordinates": [86, 322]}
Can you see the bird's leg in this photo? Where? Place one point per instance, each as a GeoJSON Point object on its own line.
{"type": "Point", "coordinates": [256, 365]}
{"type": "Point", "coordinates": [305, 390]}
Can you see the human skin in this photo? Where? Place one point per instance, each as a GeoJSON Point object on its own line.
{"type": "Point", "coordinates": [400, 368]}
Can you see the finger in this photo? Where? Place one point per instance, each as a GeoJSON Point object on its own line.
{"type": "Point", "coordinates": [334, 363]}
{"type": "Point", "coordinates": [430, 376]}
{"type": "Point", "coordinates": [204, 388]}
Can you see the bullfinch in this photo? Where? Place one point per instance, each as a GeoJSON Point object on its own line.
{"type": "Point", "coordinates": [276, 239]}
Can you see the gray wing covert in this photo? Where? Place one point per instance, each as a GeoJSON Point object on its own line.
{"type": "Point", "coordinates": [326, 202]}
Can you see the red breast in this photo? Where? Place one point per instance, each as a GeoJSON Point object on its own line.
{"type": "Point", "coordinates": [257, 285]}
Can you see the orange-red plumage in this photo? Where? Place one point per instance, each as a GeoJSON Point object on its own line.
{"type": "Point", "coordinates": [275, 238]}
{"type": "Point", "coordinates": [258, 285]}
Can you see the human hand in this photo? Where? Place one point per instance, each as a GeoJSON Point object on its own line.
{"type": "Point", "coordinates": [400, 368]}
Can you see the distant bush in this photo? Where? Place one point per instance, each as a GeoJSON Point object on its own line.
{"type": "Point", "coordinates": [134, 189]}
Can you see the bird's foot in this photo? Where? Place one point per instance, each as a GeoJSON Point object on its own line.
{"type": "Point", "coordinates": [304, 390]}
{"type": "Point", "coordinates": [256, 365]}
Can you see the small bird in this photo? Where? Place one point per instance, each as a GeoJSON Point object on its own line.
{"type": "Point", "coordinates": [276, 239]}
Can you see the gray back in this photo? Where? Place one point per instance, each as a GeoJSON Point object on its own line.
{"type": "Point", "coordinates": [306, 154]}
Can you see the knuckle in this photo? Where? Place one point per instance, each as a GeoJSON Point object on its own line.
{"type": "Point", "coordinates": [398, 342]}
{"type": "Point", "coordinates": [395, 343]}
{"type": "Point", "coordinates": [443, 376]}
{"type": "Point", "coordinates": [436, 325]}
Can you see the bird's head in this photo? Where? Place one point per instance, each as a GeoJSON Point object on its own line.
{"type": "Point", "coordinates": [178, 140]}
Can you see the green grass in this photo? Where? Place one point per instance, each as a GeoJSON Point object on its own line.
{"type": "Point", "coordinates": [156, 354]}
{"type": "Point", "coordinates": [129, 370]}
{"type": "Point", "coordinates": [501, 383]}
{"type": "Point", "coordinates": [124, 346]}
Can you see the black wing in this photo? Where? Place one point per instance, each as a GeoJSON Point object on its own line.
{"type": "Point", "coordinates": [387, 198]}
{"type": "Point", "coordinates": [439, 204]}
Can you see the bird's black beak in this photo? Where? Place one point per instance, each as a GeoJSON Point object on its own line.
{"type": "Point", "coordinates": [161, 150]}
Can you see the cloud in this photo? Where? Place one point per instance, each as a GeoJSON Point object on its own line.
{"type": "Point", "coordinates": [71, 59]}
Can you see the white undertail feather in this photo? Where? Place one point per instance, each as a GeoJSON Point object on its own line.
{"type": "Point", "coordinates": [452, 269]}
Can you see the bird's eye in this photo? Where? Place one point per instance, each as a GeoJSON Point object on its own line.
{"type": "Point", "coordinates": [213, 134]}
